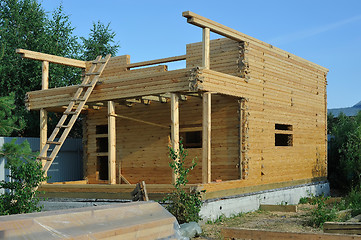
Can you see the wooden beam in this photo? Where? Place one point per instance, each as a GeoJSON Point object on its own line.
{"type": "Point", "coordinates": [206, 138]}
{"type": "Point", "coordinates": [236, 233]}
{"type": "Point", "coordinates": [51, 58]}
{"type": "Point", "coordinates": [175, 127]}
{"type": "Point", "coordinates": [278, 208]}
{"type": "Point", "coordinates": [228, 32]}
{"type": "Point", "coordinates": [111, 144]}
{"type": "Point", "coordinates": [342, 227]}
{"type": "Point", "coordinates": [205, 48]}
{"type": "Point", "coordinates": [157, 61]}
{"type": "Point", "coordinates": [241, 139]}
{"type": "Point", "coordinates": [138, 120]}
{"type": "Point", "coordinates": [43, 112]}
{"type": "Point", "coordinates": [45, 75]}
{"type": "Point", "coordinates": [43, 131]}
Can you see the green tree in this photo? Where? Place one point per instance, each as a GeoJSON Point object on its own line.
{"type": "Point", "coordinates": [62, 42]}
{"type": "Point", "coordinates": [99, 42]}
{"type": "Point", "coordinates": [8, 120]}
{"type": "Point", "coordinates": [24, 24]}
{"type": "Point", "coordinates": [25, 172]}
{"type": "Point", "coordinates": [345, 152]}
{"type": "Point", "coordinates": [184, 205]}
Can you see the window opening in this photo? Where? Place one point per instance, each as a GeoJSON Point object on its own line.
{"type": "Point", "coordinates": [102, 144]}
{"type": "Point", "coordinates": [101, 129]}
{"type": "Point", "coordinates": [283, 127]}
{"type": "Point", "coordinates": [283, 135]}
{"type": "Point", "coordinates": [192, 139]}
{"type": "Point", "coordinates": [102, 167]}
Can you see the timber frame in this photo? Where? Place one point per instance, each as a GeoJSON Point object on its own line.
{"type": "Point", "coordinates": [258, 112]}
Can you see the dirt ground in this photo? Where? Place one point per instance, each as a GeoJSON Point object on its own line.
{"type": "Point", "coordinates": [276, 221]}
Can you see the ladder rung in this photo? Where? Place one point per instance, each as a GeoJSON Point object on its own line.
{"type": "Point", "coordinates": [53, 142]}
{"type": "Point", "coordinates": [77, 99]}
{"type": "Point", "coordinates": [62, 126]}
{"type": "Point", "coordinates": [100, 61]}
{"type": "Point", "coordinates": [86, 85]}
{"type": "Point", "coordinates": [90, 74]}
{"type": "Point", "coordinates": [70, 113]}
{"type": "Point", "coordinates": [45, 158]}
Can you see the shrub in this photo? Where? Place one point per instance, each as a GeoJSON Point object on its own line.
{"type": "Point", "coordinates": [26, 174]}
{"type": "Point", "coordinates": [185, 206]}
{"type": "Point", "coordinates": [345, 151]}
{"type": "Point", "coordinates": [353, 200]}
{"type": "Point", "coordinates": [322, 213]}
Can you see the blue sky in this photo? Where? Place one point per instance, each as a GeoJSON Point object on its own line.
{"type": "Point", "coordinates": [325, 32]}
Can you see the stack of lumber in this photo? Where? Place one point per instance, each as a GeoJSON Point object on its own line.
{"type": "Point", "coordinates": [342, 227]}
{"type": "Point", "coordinates": [243, 233]}
{"type": "Point", "coordinates": [140, 220]}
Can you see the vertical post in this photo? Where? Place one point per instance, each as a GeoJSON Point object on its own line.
{"type": "Point", "coordinates": [43, 112]}
{"type": "Point", "coordinates": [175, 126]}
{"type": "Point", "coordinates": [205, 48]}
{"type": "Point", "coordinates": [111, 144]}
{"type": "Point", "coordinates": [206, 138]}
{"type": "Point", "coordinates": [240, 140]}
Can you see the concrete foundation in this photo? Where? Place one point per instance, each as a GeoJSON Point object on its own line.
{"type": "Point", "coordinates": [67, 203]}
{"type": "Point", "coordinates": [213, 208]}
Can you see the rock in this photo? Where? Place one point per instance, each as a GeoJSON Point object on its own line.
{"type": "Point", "coordinates": [190, 230]}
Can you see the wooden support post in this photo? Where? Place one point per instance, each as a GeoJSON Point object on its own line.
{"type": "Point", "coordinates": [240, 133]}
{"type": "Point", "coordinates": [43, 112]}
{"type": "Point", "coordinates": [111, 144]}
{"type": "Point", "coordinates": [174, 99]}
{"type": "Point", "coordinates": [206, 138]}
{"type": "Point", "coordinates": [205, 48]}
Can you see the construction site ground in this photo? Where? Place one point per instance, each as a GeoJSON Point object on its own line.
{"type": "Point", "coordinates": [277, 221]}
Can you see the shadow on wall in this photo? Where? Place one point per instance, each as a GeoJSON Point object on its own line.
{"type": "Point", "coordinates": [67, 166]}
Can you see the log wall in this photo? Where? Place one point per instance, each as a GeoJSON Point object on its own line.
{"type": "Point", "coordinates": [280, 90]}
{"type": "Point", "coordinates": [142, 150]}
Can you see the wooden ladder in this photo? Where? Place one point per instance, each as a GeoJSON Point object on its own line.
{"type": "Point", "coordinates": [69, 117]}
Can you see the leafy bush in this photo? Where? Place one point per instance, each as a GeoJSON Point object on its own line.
{"type": "Point", "coordinates": [345, 151]}
{"type": "Point", "coordinates": [353, 201]}
{"type": "Point", "coordinates": [185, 206]}
{"type": "Point", "coordinates": [322, 213]}
{"type": "Point", "coordinates": [26, 174]}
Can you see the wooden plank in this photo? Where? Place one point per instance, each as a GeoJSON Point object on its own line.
{"type": "Point", "coordinates": [342, 227]}
{"type": "Point", "coordinates": [157, 61]}
{"type": "Point", "coordinates": [278, 208]}
{"type": "Point", "coordinates": [43, 132]}
{"type": "Point", "coordinates": [206, 138]}
{"type": "Point", "coordinates": [205, 48]}
{"type": "Point", "coordinates": [174, 100]}
{"type": "Point", "coordinates": [112, 144]}
{"type": "Point", "coordinates": [140, 220]}
{"type": "Point", "coordinates": [243, 233]}
{"type": "Point", "coordinates": [228, 32]}
{"type": "Point", "coordinates": [123, 87]}
{"type": "Point", "coordinates": [140, 121]}
{"type": "Point", "coordinates": [43, 112]}
{"type": "Point", "coordinates": [51, 58]}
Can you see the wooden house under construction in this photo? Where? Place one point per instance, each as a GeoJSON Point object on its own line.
{"type": "Point", "coordinates": [253, 115]}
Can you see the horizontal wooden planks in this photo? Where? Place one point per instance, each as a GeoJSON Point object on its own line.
{"type": "Point", "coordinates": [259, 234]}
{"type": "Point", "coordinates": [150, 155]}
{"type": "Point", "coordinates": [122, 87]}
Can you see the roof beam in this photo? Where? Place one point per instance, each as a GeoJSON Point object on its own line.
{"type": "Point", "coordinates": [51, 58]}
{"type": "Point", "coordinates": [228, 32]}
{"type": "Point", "coordinates": [215, 27]}
{"type": "Point", "coordinates": [157, 61]}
